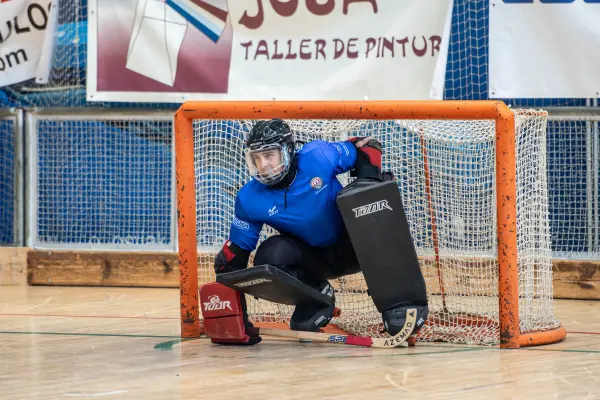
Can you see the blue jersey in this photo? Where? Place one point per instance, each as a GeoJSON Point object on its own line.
{"type": "Point", "coordinates": [311, 214]}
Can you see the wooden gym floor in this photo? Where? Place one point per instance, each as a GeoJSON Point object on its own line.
{"type": "Point", "coordinates": [122, 343]}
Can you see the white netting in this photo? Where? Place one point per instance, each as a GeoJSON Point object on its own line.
{"type": "Point", "coordinates": [446, 175]}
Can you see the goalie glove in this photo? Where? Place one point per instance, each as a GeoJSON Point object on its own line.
{"type": "Point", "coordinates": [231, 258]}
{"type": "Point", "coordinates": [368, 157]}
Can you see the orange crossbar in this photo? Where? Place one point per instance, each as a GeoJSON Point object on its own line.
{"type": "Point", "coordinates": [508, 288]}
{"type": "Point", "coordinates": [485, 109]}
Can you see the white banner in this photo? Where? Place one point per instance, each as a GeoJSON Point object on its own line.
{"type": "Point", "coordinates": [23, 26]}
{"type": "Point", "coordinates": [149, 51]}
{"type": "Point", "coordinates": [544, 49]}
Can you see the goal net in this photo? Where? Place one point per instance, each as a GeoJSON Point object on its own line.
{"type": "Point", "coordinates": [446, 171]}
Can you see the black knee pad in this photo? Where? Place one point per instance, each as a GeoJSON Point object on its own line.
{"type": "Point", "coordinates": [278, 251]}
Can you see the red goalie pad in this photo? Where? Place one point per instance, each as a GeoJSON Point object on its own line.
{"type": "Point", "coordinates": [223, 319]}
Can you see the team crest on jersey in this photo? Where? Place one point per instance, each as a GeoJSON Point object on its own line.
{"type": "Point", "coordinates": [316, 183]}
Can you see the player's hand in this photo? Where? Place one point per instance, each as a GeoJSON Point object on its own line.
{"type": "Point", "coordinates": [361, 142]}
{"type": "Point", "coordinates": [231, 258]}
{"type": "Point", "coordinates": [369, 151]}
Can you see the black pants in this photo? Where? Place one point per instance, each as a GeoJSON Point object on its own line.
{"type": "Point", "coordinates": [306, 262]}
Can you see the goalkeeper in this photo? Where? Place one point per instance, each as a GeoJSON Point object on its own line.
{"type": "Point", "coordinates": [294, 191]}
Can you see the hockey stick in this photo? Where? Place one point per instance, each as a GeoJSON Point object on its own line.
{"type": "Point", "coordinates": [398, 340]}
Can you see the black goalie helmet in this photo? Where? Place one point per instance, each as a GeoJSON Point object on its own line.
{"type": "Point", "coordinates": [270, 150]}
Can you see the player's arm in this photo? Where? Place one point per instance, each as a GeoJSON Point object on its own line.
{"type": "Point", "coordinates": [341, 155]}
{"type": "Point", "coordinates": [243, 237]}
{"type": "Point", "coordinates": [226, 325]}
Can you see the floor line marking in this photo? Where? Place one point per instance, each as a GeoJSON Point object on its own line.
{"type": "Point", "coordinates": [90, 334]}
{"type": "Point", "coordinates": [84, 316]}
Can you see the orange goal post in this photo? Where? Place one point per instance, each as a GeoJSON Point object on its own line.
{"type": "Point", "coordinates": [472, 175]}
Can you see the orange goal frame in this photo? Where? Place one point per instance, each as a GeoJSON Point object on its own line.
{"type": "Point", "coordinates": [508, 284]}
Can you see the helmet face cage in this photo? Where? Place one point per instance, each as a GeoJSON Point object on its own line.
{"type": "Point", "coordinates": [276, 173]}
{"type": "Point", "coordinates": [270, 135]}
